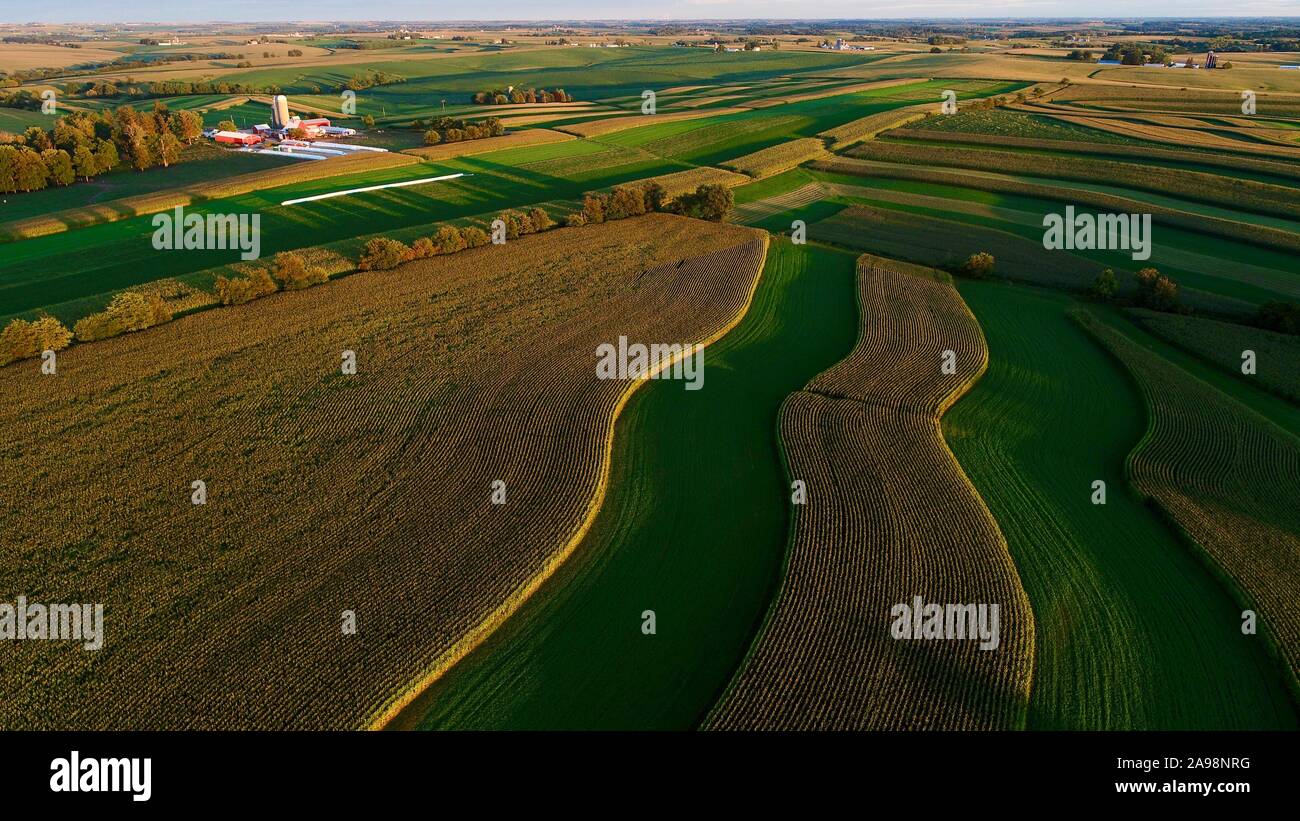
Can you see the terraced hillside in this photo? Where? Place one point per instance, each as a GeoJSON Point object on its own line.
{"type": "Point", "coordinates": [328, 492]}
{"type": "Point", "coordinates": [889, 517]}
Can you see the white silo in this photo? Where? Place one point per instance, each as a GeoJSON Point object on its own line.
{"type": "Point", "coordinates": [279, 111]}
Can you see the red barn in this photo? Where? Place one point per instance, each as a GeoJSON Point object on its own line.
{"type": "Point", "coordinates": [237, 138]}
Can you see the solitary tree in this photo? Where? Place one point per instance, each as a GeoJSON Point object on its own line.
{"type": "Point", "coordinates": [1105, 285]}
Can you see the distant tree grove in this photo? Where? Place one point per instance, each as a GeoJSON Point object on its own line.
{"type": "Point", "coordinates": [517, 96]}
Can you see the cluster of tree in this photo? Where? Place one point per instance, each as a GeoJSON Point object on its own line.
{"type": "Point", "coordinates": [1137, 54]}
{"type": "Point", "coordinates": [289, 271]}
{"type": "Point", "coordinates": [383, 253]}
{"type": "Point", "coordinates": [708, 202]}
{"type": "Point", "coordinates": [978, 265]}
{"type": "Point", "coordinates": [24, 99]}
{"type": "Point", "coordinates": [508, 96]}
{"type": "Point", "coordinates": [162, 88]}
{"type": "Point", "coordinates": [945, 40]}
{"type": "Point", "coordinates": [1233, 43]}
{"type": "Point", "coordinates": [370, 79]}
{"type": "Point", "coordinates": [1081, 55]}
{"type": "Point", "coordinates": [1154, 290]}
{"type": "Point", "coordinates": [129, 311]}
{"type": "Point", "coordinates": [22, 339]}
{"type": "Point", "coordinates": [1283, 317]}
{"type": "Point", "coordinates": [38, 40]}
{"type": "Point", "coordinates": [85, 144]}
{"type": "Point", "coordinates": [449, 130]}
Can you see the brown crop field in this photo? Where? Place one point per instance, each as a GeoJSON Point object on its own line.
{"type": "Point", "coordinates": [152, 203]}
{"type": "Point", "coordinates": [515, 139]}
{"type": "Point", "coordinates": [329, 492]}
{"type": "Point", "coordinates": [780, 157]}
{"type": "Point", "coordinates": [864, 128]}
{"type": "Point", "coordinates": [889, 516]}
{"type": "Point", "coordinates": [1227, 476]}
{"type": "Point", "coordinates": [681, 182]}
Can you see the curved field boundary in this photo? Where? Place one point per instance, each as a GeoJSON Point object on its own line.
{"type": "Point", "coordinates": [889, 516]}
{"type": "Point", "coordinates": [329, 492]}
{"type": "Point", "coordinates": [1180, 137]}
{"type": "Point", "coordinates": [392, 710]}
{"type": "Point", "coordinates": [711, 457]}
{"type": "Point", "coordinates": [465, 148]}
{"type": "Point", "coordinates": [1054, 413]}
{"type": "Point", "coordinates": [753, 212]}
{"type": "Point", "coordinates": [142, 204]}
{"type": "Point", "coordinates": [1227, 476]}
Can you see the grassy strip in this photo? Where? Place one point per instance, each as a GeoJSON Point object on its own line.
{"type": "Point", "coordinates": [1105, 658]}
{"type": "Point", "coordinates": [596, 128]}
{"type": "Point", "coordinates": [294, 171]}
{"type": "Point", "coordinates": [1195, 185]}
{"type": "Point", "coordinates": [1224, 475]}
{"type": "Point", "coordinates": [465, 148]}
{"type": "Point", "coordinates": [1241, 231]}
{"type": "Point", "coordinates": [995, 141]}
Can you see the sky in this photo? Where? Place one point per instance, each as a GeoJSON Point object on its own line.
{"type": "Point", "coordinates": [194, 11]}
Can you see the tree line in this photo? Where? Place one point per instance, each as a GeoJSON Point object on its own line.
{"type": "Point", "coordinates": [516, 96]}
{"type": "Point", "coordinates": [290, 270]}
{"type": "Point", "coordinates": [451, 130]}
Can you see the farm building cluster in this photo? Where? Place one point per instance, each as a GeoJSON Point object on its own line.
{"type": "Point", "coordinates": [289, 135]}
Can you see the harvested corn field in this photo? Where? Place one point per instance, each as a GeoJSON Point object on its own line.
{"type": "Point", "coordinates": [328, 492]}
{"type": "Point", "coordinates": [889, 517]}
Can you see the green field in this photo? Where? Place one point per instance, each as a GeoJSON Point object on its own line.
{"type": "Point", "coordinates": [693, 527]}
{"type": "Point", "coordinates": [17, 120]}
{"type": "Point", "coordinates": [1132, 631]}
